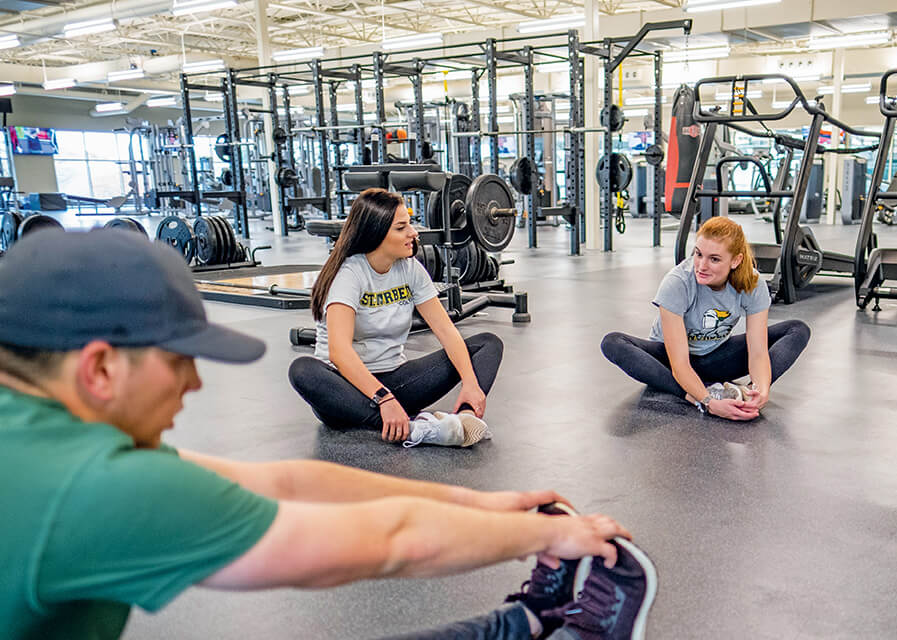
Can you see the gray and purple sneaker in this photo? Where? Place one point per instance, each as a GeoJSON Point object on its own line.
{"type": "Point", "coordinates": [614, 603]}
{"type": "Point", "coordinates": [550, 588]}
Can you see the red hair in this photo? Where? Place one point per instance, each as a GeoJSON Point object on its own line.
{"type": "Point", "coordinates": [744, 277]}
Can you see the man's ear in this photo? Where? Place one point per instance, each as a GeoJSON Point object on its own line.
{"type": "Point", "coordinates": [98, 372]}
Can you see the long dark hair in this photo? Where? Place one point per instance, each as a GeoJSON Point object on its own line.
{"type": "Point", "coordinates": [368, 223]}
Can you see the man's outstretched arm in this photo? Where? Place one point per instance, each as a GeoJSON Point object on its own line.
{"type": "Point", "coordinates": [317, 481]}
{"type": "Point", "coordinates": [316, 545]}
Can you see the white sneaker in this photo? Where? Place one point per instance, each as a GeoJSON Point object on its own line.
{"type": "Point", "coordinates": [445, 430]}
{"type": "Point", "coordinates": [474, 428]}
{"type": "Point", "coordinates": [728, 390]}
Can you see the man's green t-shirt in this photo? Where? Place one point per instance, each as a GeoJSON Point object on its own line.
{"type": "Point", "coordinates": [93, 525]}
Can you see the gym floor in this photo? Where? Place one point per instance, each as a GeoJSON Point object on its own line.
{"type": "Point", "coordinates": [782, 528]}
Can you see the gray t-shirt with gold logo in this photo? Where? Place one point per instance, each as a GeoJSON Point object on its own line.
{"type": "Point", "coordinates": [709, 315]}
{"type": "Point", "coordinates": [383, 304]}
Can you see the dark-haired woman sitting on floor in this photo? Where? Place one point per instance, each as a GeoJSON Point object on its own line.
{"type": "Point", "coordinates": [363, 301]}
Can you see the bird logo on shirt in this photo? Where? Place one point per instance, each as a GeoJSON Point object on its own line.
{"type": "Point", "coordinates": [713, 317]}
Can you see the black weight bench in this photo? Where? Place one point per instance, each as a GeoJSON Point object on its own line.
{"type": "Point", "coordinates": [332, 228]}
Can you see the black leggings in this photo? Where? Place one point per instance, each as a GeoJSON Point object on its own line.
{"type": "Point", "coordinates": [416, 384]}
{"type": "Point", "coordinates": [647, 361]}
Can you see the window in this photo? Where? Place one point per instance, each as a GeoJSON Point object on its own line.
{"type": "Point", "coordinates": [93, 163]}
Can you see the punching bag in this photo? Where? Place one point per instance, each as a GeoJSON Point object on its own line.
{"type": "Point", "coordinates": [685, 135]}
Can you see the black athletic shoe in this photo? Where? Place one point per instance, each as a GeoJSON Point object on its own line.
{"type": "Point", "coordinates": [549, 588]}
{"type": "Point", "coordinates": [614, 603]}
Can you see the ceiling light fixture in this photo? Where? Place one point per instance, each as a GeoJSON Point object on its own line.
{"type": "Point", "coordinates": [203, 66]}
{"type": "Point", "coordinates": [59, 83]}
{"type": "Point", "coordinates": [162, 101]}
{"type": "Point", "coordinates": [642, 101]}
{"type": "Point", "coordinates": [307, 53]}
{"type": "Point", "coordinates": [753, 94]}
{"type": "Point", "coordinates": [108, 107]}
{"type": "Point", "coordinates": [10, 41]}
{"type": "Point", "coordinates": [553, 67]}
{"type": "Point", "coordinates": [197, 6]}
{"type": "Point", "coordinates": [407, 42]}
{"type": "Point", "coordinates": [299, 89]}
{"type": "Point", "coordinates": [862, 87]}
{"type": "Point", "coordinates": [865, 39]}
{"type": "Point", "coordinates": [697, 6]}
{"type": "Point", "coordinates": [7, 89]}
{"type": "Point", "coordinates": [127, 74]}
{"type": "Point", "coordinates": [87, 27]}
{"type": "Point", "coordinates": [552, 24]}
{"type": "Point", "coordinates": [692, 55]}
{"type": "Point", "coordinates": [635, 113]}
{"type": "Point", "coordinates": [781, 104]}
{"type": "Point", "coordinates": [213, 96]}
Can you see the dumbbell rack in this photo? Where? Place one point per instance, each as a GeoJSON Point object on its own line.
{"type": "Point", "coordinates": [460, 302]}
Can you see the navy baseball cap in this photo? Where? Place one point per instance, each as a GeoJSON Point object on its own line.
{"type": "Point", "coordinates": [60, 290]}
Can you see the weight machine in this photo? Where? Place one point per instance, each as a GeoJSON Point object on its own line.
{"type": "Point", "coordinates": [797, 258]}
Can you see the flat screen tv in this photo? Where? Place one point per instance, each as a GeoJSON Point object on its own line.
{"type": "Point", "coordinates": [507, 146]}
{"type": "Point", "coordinates": [639, 141]}
{"type": "Point", "coordinates": [33, 141]}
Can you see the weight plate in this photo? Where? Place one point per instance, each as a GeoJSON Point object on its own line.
{"type": "Point", "coordinates": [176, 233]}
{"type": "Point", "coordinates": [620, 172]}
{"type": "Point", "coordinates": [493, 268]}
{"type": "Point", "coordinates": [207, 245]}
{"type": "Point", "coordinates": [487, 194]}
{"type": "Point", "coordinates": [461, 261]}
{"type": "Point", "coordinates": [457, 193]}
{"type": "Point", "coordinates": [430, 260]}
{"type": "Point", "coordinates": [227, 241]}
{"type": "Point", "coordinates": [236, 253]}
{"type": "Point", "coordinates": [37, 222]}
{"type": "Point", "coordinates": [9, 229]}
{"type": "Point", "coordinates": [521, 174]}
{"type": "Point", "coordinates": [217, 243]}
{"type": "Point", "coordinates": [654, 155]}
{"type": "Point", "coordinates": [222, 147]}
{"type": "Point", "coordinates": [127, 223]}
{"type": "Point", "coordinates": [612, 117]}
{"type": "Point", "coordinates": [226, 250]}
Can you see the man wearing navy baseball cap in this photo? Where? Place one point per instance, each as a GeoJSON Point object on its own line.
{"type": "Point", "coordinates": [98, 335]}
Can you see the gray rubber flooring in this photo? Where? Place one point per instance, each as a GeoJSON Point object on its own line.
{"type": "Point", "coordinates": [783, 528]}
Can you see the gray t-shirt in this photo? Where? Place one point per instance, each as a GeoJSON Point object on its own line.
{"type": "Point", "coordinates": [383, 304]}
{"type": "Point", "coordinates": [709, 315]}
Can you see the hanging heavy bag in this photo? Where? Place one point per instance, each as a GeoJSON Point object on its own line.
{"type": "Point", "coordinates": [685, 137]}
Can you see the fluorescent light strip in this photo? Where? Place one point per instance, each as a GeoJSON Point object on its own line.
{"type": "Point", "coordinates": [299, 89]}
{"type": "Point", "coordinates": [127, 74]}
{"type": "Point", "coordinates": [752, 95]}
{"type": "Point", "coordinates": [162, 101]}
{"type": "Point", "coordinates": [827, 90]}
{"type": "Point", "coordinates": [203, 65]}
{"type": "Point", "coordinates": [866, 39]}
{"type": "Point", "coordinates": [7, 89]}
{"type": "Point", "coordinates": [307, 53]}
{"type": "Point", "coordinates": [198, 6]}
{"type": "Point", "coordinates": [60, 83]}
{"type": "Point", "coordinates": [872, 99]}
{"type": "Point", "coordinates": [643, 100]}
{"type": "Point", "coordinates": [781, 104]}
{"type": "Point", "coordinates": [693, 55]}
{"type": "Point", "coordinates": [88, 27]}
{"type": "Point", "coordinates": [635, 113]}
{"type": "Point", "coordinates": [552, 24]}
{"type": "Point", "coordinates": [407, 42]}
{"type": "Point", "coordinates": [109, 107]}
{"type": "Point", "coordinates": [9, 42]}
{"type": "Point", "coordinates": [552, 67]}
{"type": "Point", "coordinates": [213, 96]}
{"type": "Point", "coordinates": [696, 6]}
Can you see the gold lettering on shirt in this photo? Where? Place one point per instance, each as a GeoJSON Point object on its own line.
{"type": "Point", "coordinates": [384, 298]}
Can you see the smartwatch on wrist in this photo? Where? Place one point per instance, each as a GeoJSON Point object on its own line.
{"type": "Point", "coordinates": [380, 395]}
{"type": "Point", "coordinates": [704, 405]}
